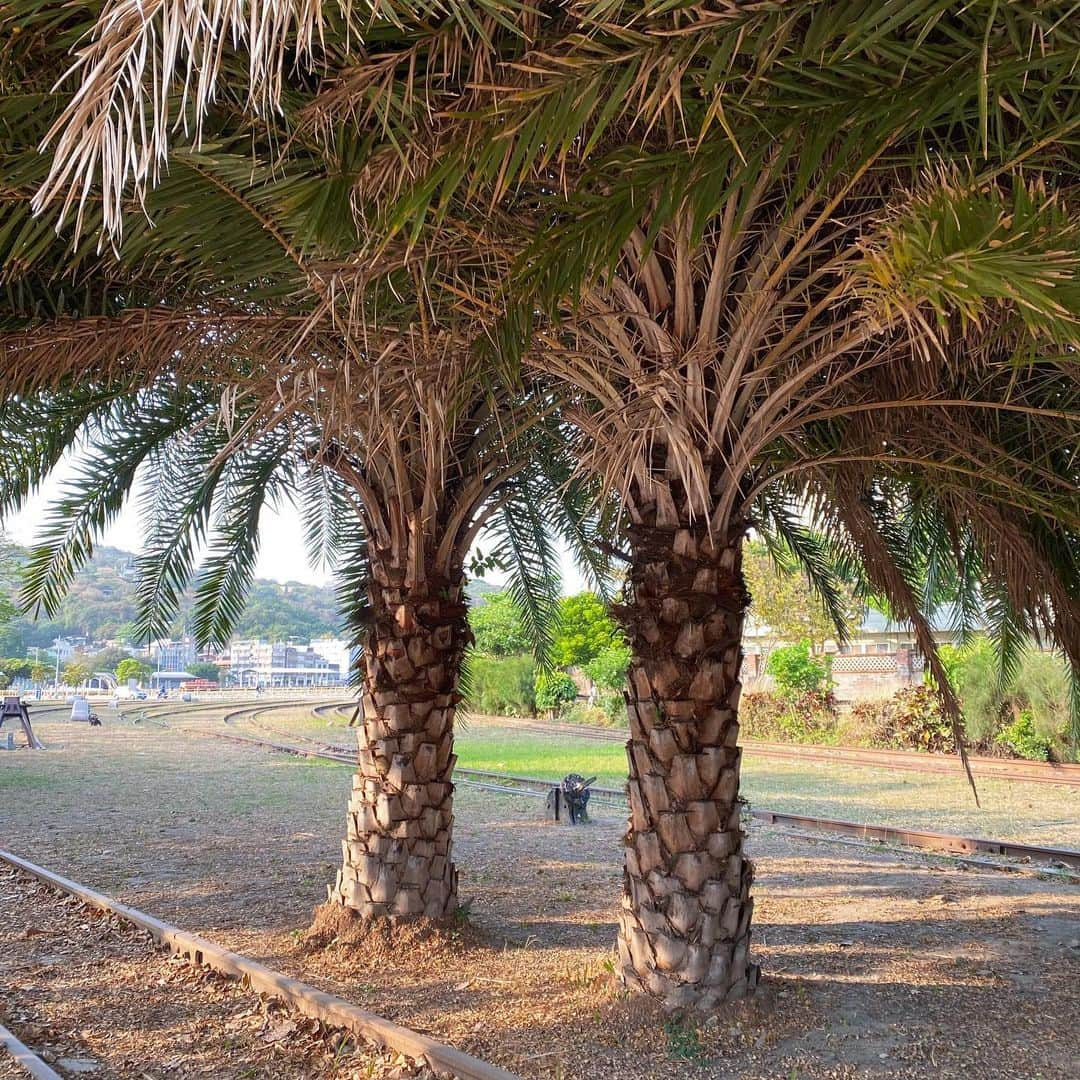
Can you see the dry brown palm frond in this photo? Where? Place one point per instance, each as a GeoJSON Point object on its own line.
{"type": "Point", "coordinates": [143, 345]}
{"type": "Point", "coordinates": [121, 114]}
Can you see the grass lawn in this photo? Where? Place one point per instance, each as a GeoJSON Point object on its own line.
{"type": "Point", "coordinates": [1029, 812]}
{"type": "Point", "coordinates": [497, 749]}
{"type": "Point", "coordinates": [1032, 813]}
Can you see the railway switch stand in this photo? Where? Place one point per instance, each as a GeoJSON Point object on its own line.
{"type": "Point", "coordinates": [570, 800]}
{"type": "Point", "coordinates": [13, 708]}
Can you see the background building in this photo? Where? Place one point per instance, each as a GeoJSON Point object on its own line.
{"type": "Point", "coordinates": [338, 651]}
{"type": "Point", "coordinates": [171, 656]}
{"type": "Point", "coordinates": [254, 662]}
{"type": "Point", "coordinates": [880, 658]}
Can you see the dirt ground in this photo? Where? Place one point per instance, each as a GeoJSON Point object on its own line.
{"type": "Point", "coordinates": [92, 996]}
{"type": "Point", "coordinates": [876, 964]}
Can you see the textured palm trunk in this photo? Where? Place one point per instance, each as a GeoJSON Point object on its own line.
{"type": "Point", "coordinates": [397, 852]}
{"type": "Point", "coordinates": [685, 920]}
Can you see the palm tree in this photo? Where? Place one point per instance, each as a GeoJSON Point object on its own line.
{"type": "Point", "coordinates": [228, 355]}
{"type": "Point", "coordinates": [806, 268]}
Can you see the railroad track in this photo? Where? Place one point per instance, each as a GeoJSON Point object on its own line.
{"type": "Point", "coordinates": [974, 849]}
{"type": "Point", "coordinates": [25, 1057]}
{"type": "Point", "coordinates": [299, 997]}
{"type": "Point", "coordinates": [988, 768]}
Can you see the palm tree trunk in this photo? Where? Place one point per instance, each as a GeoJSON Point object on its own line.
{"type": "Point", "coordinates": [397, 853]}
{"type": "Point", "coordinates": [685, 919]}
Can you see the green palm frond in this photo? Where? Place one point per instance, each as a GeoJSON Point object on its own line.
{"type": "Point", "coordinates": [251, 479]}
{"type": "Point", "coordinates": [176, 501]}
{"type": "Point", "coordinates": [120, 443]}
{"type": "Point", "coordinates": [521, 542]}
{"type": "Point", "coordinates": [794, 545]}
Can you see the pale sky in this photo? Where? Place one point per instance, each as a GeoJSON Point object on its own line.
{"type": "Point", "coordinates": [282, 552]}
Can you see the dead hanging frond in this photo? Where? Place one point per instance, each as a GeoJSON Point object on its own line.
{"type": "Point", "coordinates": [143, 345]}
{"type": "Point", "coordinates": [151, 66]}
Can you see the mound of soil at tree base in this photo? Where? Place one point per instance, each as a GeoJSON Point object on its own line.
{"type": "Point", "coordinates": [373, 943]}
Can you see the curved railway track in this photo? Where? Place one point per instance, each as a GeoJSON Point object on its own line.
{"type": "Point", "coordinates": [974, 849]}
{"type": "Point", "coordinates": [987, 768]}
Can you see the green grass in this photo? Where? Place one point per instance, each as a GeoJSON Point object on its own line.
{"type": "Point", "coordinates": [1027, 812]}
{"type": "Point", "coordinates": [505, 750]}
{"type": "Point", "coordinates": [942, 803]}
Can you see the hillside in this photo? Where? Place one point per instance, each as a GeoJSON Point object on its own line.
{"type": "Point", "coordinates": [101, 606]}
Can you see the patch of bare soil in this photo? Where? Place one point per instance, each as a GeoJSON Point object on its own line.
{"type": "Point", "coordinates": [876, 964]}
{"type": "Point", "coordinates": [93, 997]}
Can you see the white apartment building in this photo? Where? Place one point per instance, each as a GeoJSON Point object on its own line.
{"type": "Point", "coordinates": [174, 656]}
{"type": "Point", "coordinates": [254, 662]}
{"type": "Point", "coordinates": [338, 651]}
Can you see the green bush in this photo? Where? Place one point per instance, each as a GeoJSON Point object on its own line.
{"type": "Point", "coordinates": [555, 689]}
{"type": "Point", "coordinates": [1022, 739]}
{"type": "Point", "coordinates": [912, 719]}
{"type": "Point", "coordinates": [1039, 686]}
{"type": "Point", "coordinates": [795, 671]}
{"type": "Point", "coordinates": [608, 668]}
{"type": "Point", "coordinates": [973, 672]}
{"type": "Point", "coordinates": [500, 685]}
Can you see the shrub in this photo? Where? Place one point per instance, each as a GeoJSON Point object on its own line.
{"type": "Point", "coordinates": [809, 718]}
{"type": "Point", "coordinates": [913, 719]}
{"type": "Point", "coordinates": [796, 672]}
{"type": "Point", "coordinates": [867, 723]}
{"type": "Point", "coordinates": [613, 705]}
{"type": "Point", "coordinates": [554, 689]}
{"type": "Point", "coordinates": [1039, 686]}
{"type": "Point", "coordinates": [1023, 740]}
{"type": "Point", "coordinates": [973, 671]}
{"type": "Point", "coordinates": [500, 685]}
{"type": "Point", "coordinates": [1042, 689]}
{"type": "Point", "coordinates": [597, 715]}
{"type": "Point", "coordinates": [608, 668]}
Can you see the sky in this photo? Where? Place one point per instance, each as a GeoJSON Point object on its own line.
{"type": "Point", "coordinates": [282, 552]}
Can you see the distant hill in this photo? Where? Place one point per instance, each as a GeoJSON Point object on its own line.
{"type": "Point", "coordinates": [478, 590]}
{"type": "Point", "coordinates": [101, 606]}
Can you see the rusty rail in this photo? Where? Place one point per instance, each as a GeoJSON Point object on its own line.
{"type": "Point", "coordinates": [25, 1057]}
{"type": "Point", "coordinates": [299, 996]}
{"type": "Point", "coordinates": [921, 838]}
